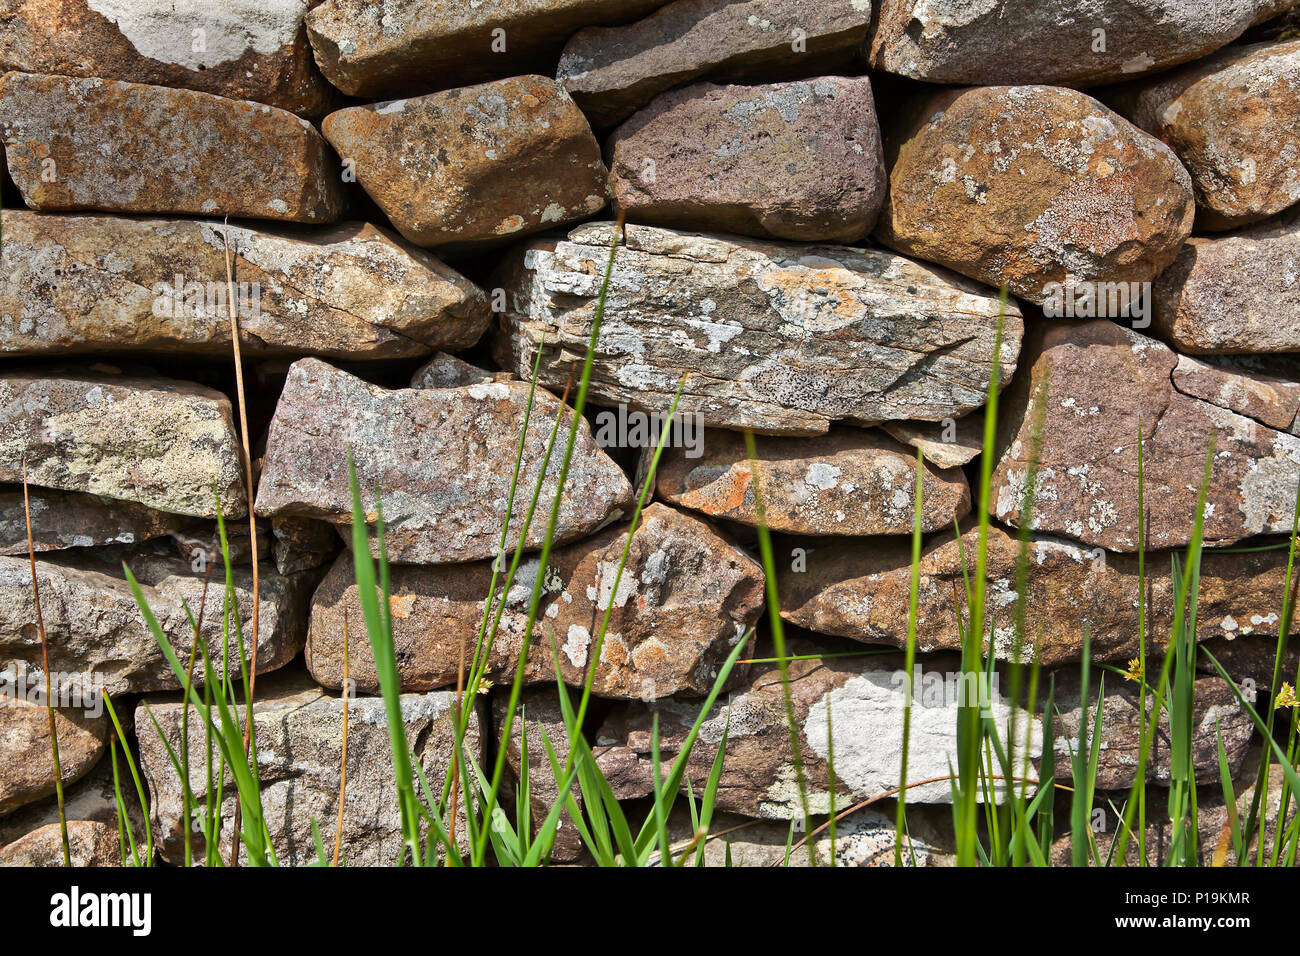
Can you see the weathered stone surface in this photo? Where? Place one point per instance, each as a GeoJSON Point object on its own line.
{"type": "Point", "coordinates": [250, 50]}
{"type": "Point", "coordinates": [1216, 711]}
{"type": "Point", "coordinates": [443, 460]}
{"type": "Point", "coordinates": [157, 441]}
{"type": "Point", "coordinates": [860, 590]}
{"type": "Point", "coordinates": [540, 715]}
{"type": "Point", "coordinates": [72, 520]}
{"type": "Point", "coordinates": [413, 46]}
{"type": "Point", "coordinates": [135, 148]}
{"type": "Point", "coordinates": [1087, 481]}
{"type": "Point", "coordinates": [780, 339]}
{"type": "Point", "coordinates": [1233, 293]}
{"type": "Point", "coordinates": [301, 544]}
{"type": "Point", "coordinates": [1232, 120]}
{"type": "Point", "coordinates": [26, 761]}
{"type": "Point", "coordinates": [848, 482]}
{"type": "Point", "coordinates": [865, 697]}
{"type": "Point", "coordinates": [686, 596]}
{"type": "Point", "coordinates": [89, 844]}
{"type": "Point", "coordinates": [448, 371]}
{"type": "Point", "coordinates": [1029, 41]}
{"type": "Point", "coordinates": [950, 443]}
{"type": "Point", "coordinates": [513, 156]}
{"type": "Point", "coordinates": [799, 160]}
{"type": "Point", "coordinates": [299, 732]}
{"type": "Point", "coordinates": [95, 628]}
{"type": "Point", "coordinates": [30, 836]}
{"type": "Point", "coordinates": [614, 71]}
{"type": "Point", "coordinates": [1270, 400]}
{"type": "Point", "coordinates": [109, 283]}
{"type": "Point", "coordinates": [865, 838]}
{"type": "Point", "coordinates": [976, 185]}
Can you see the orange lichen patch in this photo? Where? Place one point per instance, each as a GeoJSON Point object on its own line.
{"type": "Point", "coordinates": [400, 605]}
{"type": "Point", "coordinates": [727, 493]}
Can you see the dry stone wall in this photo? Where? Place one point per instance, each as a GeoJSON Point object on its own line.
{"type": "Point", "coordinates": [847, 223]}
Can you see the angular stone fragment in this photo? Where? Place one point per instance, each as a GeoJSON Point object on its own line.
{"type": "Point", "coordinates": [26, 760]}
{"type": "Point", "coordinates": [976, 185]}
{"type": "Point", "coordinates": [1270, 400]}
{"type": "Point", "coordinates": [1087, 481]}
{"type": "Point", "coordinates": [156, 441]}
{"type": "Point", "coordinates": [413, 46]}
{"type": "Point", "coordinates": [96, 631]}
{"type": "Point", "coordinates": [250, 50]}
{"type": "Point", "coordinates": [780, 339]}
{"type": "Point", "coordinates": [351, 291]}
{"type": "Point", "coordinates": [984, 42]}
{"type": "Point", "coordinates": [1233, 293]}
{"type": "Point", "coordinates": [614, 71]}
{"type": "Point", "coordinates": [799, 160]}
{"type": "Point", "coordinates": [299, 732]}
{"type": "Point", "coordinates": [948, 444]}
{"type": "Point", "coordinates": [89, 844]}
{"type": "Point", "coordinates": [1216, 712]}
{"type": "Point", "coordinates": [483, 163]}
{"type": "Point", "coordinates": [129, 147]}
{"type": "Point", "coordinates": [302, 544]}
{"type": "Point", "coordinates": [447, 371]}
{"type": "Point", "coordinates": [860, 590]}
{"type": "Point", "coordinates": [1232, 119]}
{"type": "Point", "coordinates": [848, 482]}
{"type": "Point", "coordinates": [684, 599]}
{"type": "Point", "coordinates": [73, 520]}
{"type": "Point", "coordinates": [543, 720]}
{"type": "Point", "coordinates": [442, 459]}
{"type": "Point", "coordinates": [865, 696]}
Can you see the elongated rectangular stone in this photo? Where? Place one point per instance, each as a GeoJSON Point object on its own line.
{"type": "Point", "coordinates": [775, 338]}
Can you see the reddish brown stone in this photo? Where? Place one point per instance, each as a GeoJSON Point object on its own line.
{"type": "Point", "coordinates": [483, 163]}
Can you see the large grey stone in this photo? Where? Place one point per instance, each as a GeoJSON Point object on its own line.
{"type": "Point", "coordinates": [777, 338]}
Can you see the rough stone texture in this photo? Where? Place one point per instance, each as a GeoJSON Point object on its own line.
{"type": "Point", "coordinates": [72, 520]}
{"type": "Point", "coordinates": [96, 631]}
{"type": "Point", "coordinates": [301, 544]}
{"type": "Point", "coordinates": [865, 838]}
{"type": "Point", "coordinates": [512, 157]}
{"type": "Point", "coordinates": [780, 339]}
{"type": "Point", "coordinates": [614, 71]}
{"type": "Point", "coordinates": [135, 148]}
{"type": "Point", "coordinates": [443, 460]}
{"type": "Point", "coordinates": [29, 836]}
{"type": "Point", "coordinates": [1216, 711]}
{"type": "Point", "coordinates": [1087, 482]}
{"type": "Point", "coordinates": [1270, 400]}
{"type": "Point", "coordinates": [109, 283]}
{"type": "Point", "coordinates": [860, 590]}
{"type": "Point", "coordinates": [865, 697]}
{"type": "Point", "coordinates": [157, 441]}
{"type": "Point", "coordinates": [26, 761]}
{"type": "Point", "coordinates": [448, 371]}
{"type": "Point", "coordinates": [413, 46]}
{"type": "Point", "coordinates": [686, 596]}
{"type": "Point", "coordinates": [299, 738]}
{"type": "Point", "coordinates": [985, 42]}
{"type": "Point", "coordinates": [253, 49]}
{"type": "Point", "coordinates": [947, 444]}
{"type": "Point", "coordinates": [799, 160]}
{"type": "Point", "coordinates": [1232, 120]}
{"type": "Point", "coordinates": [541, 715]}
{"type": "Point", "coordinates": [1233, 293]}
{"type": "Point", "coordinates": [978, 186]}
{"type": "Point", "coordinates": [848, 482]}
